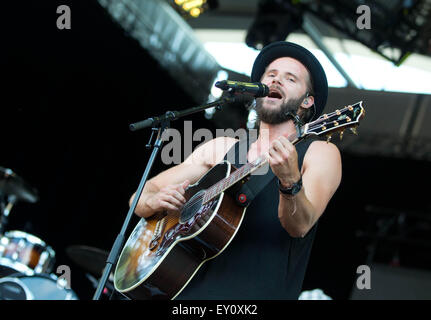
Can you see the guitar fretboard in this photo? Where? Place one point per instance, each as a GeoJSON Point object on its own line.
{"type": "Point", "coordinates": [338, 120]}
{"type": "Point", "coordinates": [239, 174]}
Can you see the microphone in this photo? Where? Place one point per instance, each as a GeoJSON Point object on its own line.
{"type": "Point", "coordinates": [255, 89]}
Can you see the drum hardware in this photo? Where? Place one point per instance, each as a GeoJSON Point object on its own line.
{"type": "Point", "coordinates": [20, 251]}
{"type": "Point", "coordinates": [5, 210]}
{"type": "Point", "coordinates": [25, 260]}
{"type": "Point", "coordinates": [36, 287]}
{"type": "Point", "coordinates": [13, 188]}
{"type": "Point", "coordinates": [12, 184]}
{"type": "Point", "coordinates": [109, 286]}
{"type": "Point", "coordinates": [91, 259]}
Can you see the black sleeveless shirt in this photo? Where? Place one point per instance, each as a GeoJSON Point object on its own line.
{"type": "Point", "coordinates": [262, 262]}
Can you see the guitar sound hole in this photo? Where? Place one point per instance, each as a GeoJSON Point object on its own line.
{"type": "Point", "coordinates": [192, 207]}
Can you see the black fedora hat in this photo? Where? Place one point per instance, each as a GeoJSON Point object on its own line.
{"type": "Point", "coordinates": [281, 49]}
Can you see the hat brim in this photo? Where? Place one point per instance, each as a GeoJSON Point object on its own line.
{"type": "Point", "coordinates": [281, 49]}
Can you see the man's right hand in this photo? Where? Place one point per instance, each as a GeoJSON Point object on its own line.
{"type": "Point", "coordinates": [170, 198]}
{"type": "Point", "coordinates": [166, 190]}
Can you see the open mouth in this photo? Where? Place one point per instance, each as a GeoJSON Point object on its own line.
{"type": "Point", "coordinates": [274, 94]}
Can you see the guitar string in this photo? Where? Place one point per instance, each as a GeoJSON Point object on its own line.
{"type": "Point", "coordinates": [328, 123]}
{"type": "Point", "coordinates": [315, 124]}
{"type": "Point", "coordinates": [312, 125]}
{"type": "Point", "coordinates": [251, 165]}
{"type": "Point", "coordinates": [240, 172]}
{"type": "Point", "coordinates": [211, 189]}
{"type": "Point", "coordinates": [330, 115]}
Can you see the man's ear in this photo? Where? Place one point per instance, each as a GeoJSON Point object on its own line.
{"type": "Point", "coordinates": [308, 102]}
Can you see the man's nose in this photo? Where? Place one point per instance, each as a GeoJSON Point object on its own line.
{"type": "Point", "coordinates": [276, 79]}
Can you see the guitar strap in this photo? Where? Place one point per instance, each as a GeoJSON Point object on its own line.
{"type": "Point", "coordinates": [257, 181]}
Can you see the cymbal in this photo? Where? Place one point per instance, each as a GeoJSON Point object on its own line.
{"type": "Point", "coordinates": [13, 185]}
{"type": "Point", "coordinates": [91, 259]}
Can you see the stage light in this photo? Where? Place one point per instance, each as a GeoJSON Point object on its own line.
{"type": "Point", "coordinates": [193, 4]}
{"type": "Point", "coordinates": [193, 8]}
{"type": "Point", "coordinates": [195, 12]}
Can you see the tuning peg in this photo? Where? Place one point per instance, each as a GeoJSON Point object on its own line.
{"type": "Point", "coordinates": [328, 138]}
{"type": "Point", "coordinates": [355, 132]}
{"type": "Point", "coordinates": [341, 134]}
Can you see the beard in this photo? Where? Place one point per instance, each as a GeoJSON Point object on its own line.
{"type": "Point", "coordinates": [285, 112]}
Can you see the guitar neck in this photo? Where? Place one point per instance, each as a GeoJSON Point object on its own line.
{"type": "Point", "coordinates": [242, 173]}
{"type": "Point", "coordinates": [326, 124]}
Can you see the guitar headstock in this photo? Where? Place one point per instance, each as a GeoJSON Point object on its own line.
{"type": "Point", "coordinates": [337, 121]}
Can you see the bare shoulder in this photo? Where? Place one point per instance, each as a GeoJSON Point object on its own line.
{"type": "Point", "coordinates": [324, 153]}
{"type": "Point", "coordinates": [212, 152]}
{"type": "Point", "coordinates": [322, 172]}
{"type": "Point", "coordinates": [319, 146]}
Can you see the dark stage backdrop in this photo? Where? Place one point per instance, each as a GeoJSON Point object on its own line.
{"type": "Point", "coordinates": [67, 99]}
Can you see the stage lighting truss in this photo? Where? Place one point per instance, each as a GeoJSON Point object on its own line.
{"type": "Point", "coordinates": [158, 28]}
{"type": "Point", "coordinates": [397, 27]}
{"type": "Point", "coordinates": [193, 8]}
{"type": "Point", "coordinates": [274, 21]}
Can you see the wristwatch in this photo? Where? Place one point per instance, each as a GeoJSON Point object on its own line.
{"type": "Point", "coordinates": [294, 189]}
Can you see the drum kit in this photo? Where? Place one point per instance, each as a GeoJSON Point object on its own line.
{"type": "Point", "coordinates": [26, 261]}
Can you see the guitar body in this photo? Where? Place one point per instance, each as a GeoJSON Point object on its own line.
{"type": "Point", "coordinates": [164, 251]}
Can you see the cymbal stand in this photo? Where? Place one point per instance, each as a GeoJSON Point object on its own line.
{"type": "Point", "coordinates": [5, 209]}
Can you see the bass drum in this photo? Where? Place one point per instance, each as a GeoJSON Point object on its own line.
{"type": "Point", "coordinates": [38, 287]}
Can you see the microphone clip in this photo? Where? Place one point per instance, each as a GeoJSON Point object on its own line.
{"type": "Point", "coordinates": [297, 121]}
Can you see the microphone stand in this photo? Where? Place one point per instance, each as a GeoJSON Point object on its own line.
{"type": "Point", "coordinates": [159, 124]}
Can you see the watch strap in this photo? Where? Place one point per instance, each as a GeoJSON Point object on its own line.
{"type": "Point", "coordinates": [294, 189]}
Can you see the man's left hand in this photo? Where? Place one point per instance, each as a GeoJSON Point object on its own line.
{"type": "Point", "coordinates": [283, 160]}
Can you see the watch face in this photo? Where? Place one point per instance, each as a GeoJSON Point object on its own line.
{"type": "Point", "coordinates": [296, 188]}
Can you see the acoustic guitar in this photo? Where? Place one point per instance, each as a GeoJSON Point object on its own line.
{"type": "Point", "coordinates": [164, 251]}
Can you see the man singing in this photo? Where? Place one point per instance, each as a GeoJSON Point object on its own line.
{"type": "Point", "coordinates": [268, 256]}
